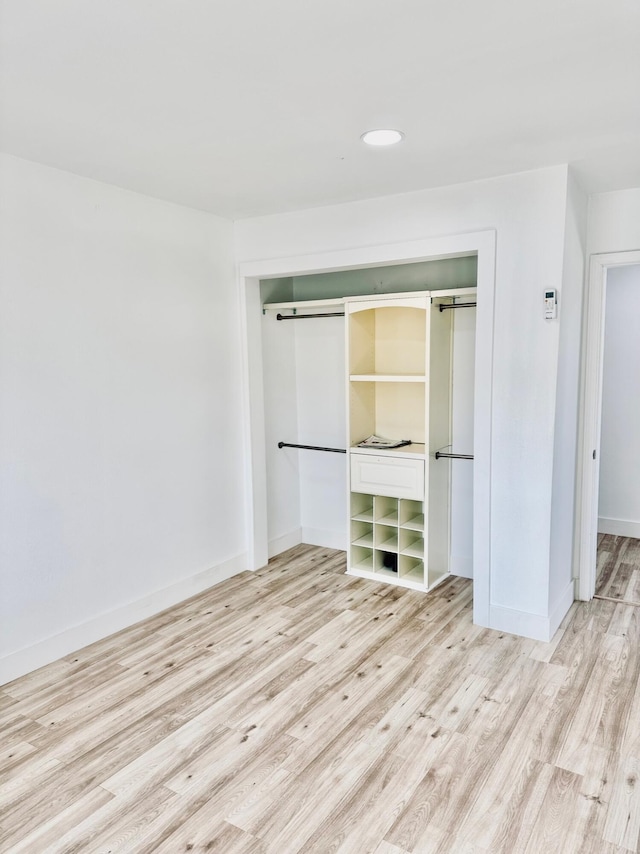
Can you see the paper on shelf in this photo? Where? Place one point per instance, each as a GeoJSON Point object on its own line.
{"type": "Point", "coordinates": [379, 442]}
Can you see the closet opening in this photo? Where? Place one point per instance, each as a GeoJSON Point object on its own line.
{"type": "Point", "coordinates": [274, 525]}
{"type": "Point", "coordinates": [380, 352]}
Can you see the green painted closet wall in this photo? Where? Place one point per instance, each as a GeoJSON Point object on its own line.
{"type": "Point", "coordinates": [422, 276]}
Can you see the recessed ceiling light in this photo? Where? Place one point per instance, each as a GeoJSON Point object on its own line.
{"type": "Point", "coordinates": [382, 137]}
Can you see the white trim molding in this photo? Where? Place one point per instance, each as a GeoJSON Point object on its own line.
{"type": "Point", "coordinates": [533, 626]}
{"type": "Point", "coordinates": [286, 541]}
{"type": "Point", "coordinates": [619, 527]}
{"type": "Point", "coordinates": [50, 649]}
{"type": "Point", "coordinates": [324, 538]}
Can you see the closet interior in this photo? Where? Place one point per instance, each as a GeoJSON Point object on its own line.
{"type": "Point", "coordinates": [387, 353]}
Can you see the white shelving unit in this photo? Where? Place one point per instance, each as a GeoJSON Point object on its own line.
{"type": "Point", "coordinates": [399, 370]}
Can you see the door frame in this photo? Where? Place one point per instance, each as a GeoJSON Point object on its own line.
{"type": "Point", "coordinates": [591, 413]}
{"type": "Point", "coordinates": [480, 243]}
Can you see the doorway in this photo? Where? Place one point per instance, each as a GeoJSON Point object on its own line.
{"type": "Point", "coordinates": [618, 555]}
{"type": "Point", "coordinates": [609, 520]}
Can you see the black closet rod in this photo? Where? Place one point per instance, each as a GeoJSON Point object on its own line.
{"type": "Point", "coordinates": [439, 454]}
{"type": "Point", "coordinates": [444, 307]}
{"type": "Point", "coordinates": [311, 447]}
{"type": "Point", "coordinates": [303, 316]}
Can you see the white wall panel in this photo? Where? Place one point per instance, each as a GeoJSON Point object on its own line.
{"type": "Point", "coordinates": [120, 436]}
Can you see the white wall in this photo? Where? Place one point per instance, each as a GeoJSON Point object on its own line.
{"type": "Point", "coordinates": [528, 212]}
{"type": "Point", "coordinates": [304, 402]}
{"type": "Point", "coordinates": [462, 400]}
{"type": "Point", "coordinates": [120, 436]}
{"type": "Point", "coordinates": [619, 495]}
{"type": "Point", "coordinates": [281, 424]}
{"type": "Point", "coordinates": [562, 565]}
{"type": "Point", "coordinates": [614, 221]}
{"type": "Point", "coordinates": [320, 369]}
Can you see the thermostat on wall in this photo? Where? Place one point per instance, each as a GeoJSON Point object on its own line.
{"type": "Point", "coordinates": [550, 304]}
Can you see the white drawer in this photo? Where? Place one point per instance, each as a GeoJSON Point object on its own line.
{"type": "Point", "coordinates": [393, 476]}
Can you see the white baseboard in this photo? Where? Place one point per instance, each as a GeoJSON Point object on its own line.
{"type": "Point", "coordinates": [528, 625]}
{"type": "Point", "coordinates": [324, 538]}
{"type": "Point", "coordinates": [559, 610]}
{"type": "Point", "coordinates": [286, 541]}
{"type": "Point", "coordinates": [30, 658]}
{"type": "Point", "coordinates": [461, 565]}
{"type": "Point", "coordinates": [619, 527]}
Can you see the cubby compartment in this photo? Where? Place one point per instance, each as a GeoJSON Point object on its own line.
{"type": "Point", "coordinates": [362, 534]}
{"type": "Point", "coordinates": [361, 558]}
{"type": "Point", "coordinates": [386, 510]}
{"type": "Point", "coordinates": [411, 543]}
{"type": "Point", "coordinates": [411, 569]}
{"type": "Point", "coordinates": [386, 563]}
{"type": "Point", "coordinates": [412, 515]}
{"type": "Point", "coordinates": [361, 507]}
{"type": "Point", "coordinates": [386, 538]}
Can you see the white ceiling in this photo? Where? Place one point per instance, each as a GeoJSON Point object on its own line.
{"type": "Point", "coordinates": [244, 107]}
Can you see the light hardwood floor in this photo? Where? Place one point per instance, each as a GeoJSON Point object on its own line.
{"type": "Point", "coordinates": [618, 572]}
{"type": "Point", "coordinates": [297, 709]}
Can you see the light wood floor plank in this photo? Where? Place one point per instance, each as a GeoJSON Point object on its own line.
{"type": "Point", "coordinates": [598, 722]}
{"type": "Point", "coordinates": [47, 836]}
{"type": "Point", "coordinates": [204, 832]}
{"type": "Point", "coordinates": [554, 827]}
{"type": "Point", "coordinates": [618, 568]}
{"type": "Point", "coordinates": [623, 817]}
{"type": "Point", "coordinates": [117, 826]}
{"type": "Point", "coordinates": [297, 709]}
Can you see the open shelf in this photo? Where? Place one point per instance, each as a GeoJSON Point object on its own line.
{"type": "Point", "coordinates": [388, 378]}
{"type": "Point", "coordinates": [361, 507]}
{"type": "Point", "coordinates": [375, 332]}
{"type": "Point", "coordinates": [367, 516]}
{"type": "Point", "coordinates": [361, 558]}
{"type": "Point", "coordinates": [412, 451]}
{"type": "Point", "coordinates": [415, 549]}
{"type": "Point", "coordinates": [395, 410]}
{"type": "Point", "coordinates": [411, 568]}
{"type": "Point", "coordinates": [390, 544]}
{"type": "Point", "coordinates": [412, 515]}
{"type": "Point", "coordinates": [362, 533]}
